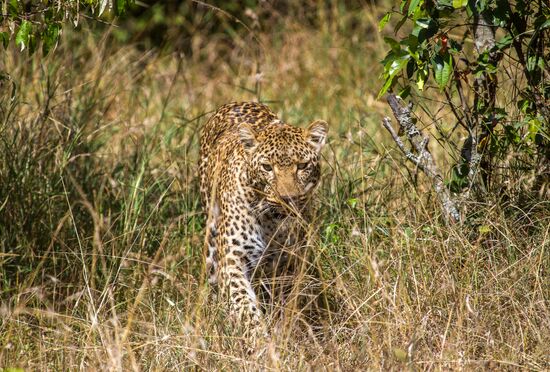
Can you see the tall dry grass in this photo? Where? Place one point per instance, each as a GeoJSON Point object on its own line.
{"type": "Point", "coordinates": [101, 228]}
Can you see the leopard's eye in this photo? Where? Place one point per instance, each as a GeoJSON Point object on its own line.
{"type": "Point", "coordinates": [267, 167]}
{"type": "Point", "coordinates": [301, 166]}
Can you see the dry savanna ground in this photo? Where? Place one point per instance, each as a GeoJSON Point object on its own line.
{"type": "Point", "coordinates": [101, 229]}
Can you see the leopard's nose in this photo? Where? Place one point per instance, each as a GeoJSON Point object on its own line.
{"type": "Point", "coordinates": [287, 194]}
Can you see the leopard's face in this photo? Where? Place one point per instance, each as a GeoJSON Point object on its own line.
{"type": "Point", "coordinates": [284, 162]}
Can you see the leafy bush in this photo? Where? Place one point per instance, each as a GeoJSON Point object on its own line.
{"type": "Point", "coordinates": [31, 22]}
{"type": "Point", "coordinates": [490, 61]}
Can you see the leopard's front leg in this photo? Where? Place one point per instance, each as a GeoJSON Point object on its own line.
{"type": "Point", "coordinates": [240, 244]}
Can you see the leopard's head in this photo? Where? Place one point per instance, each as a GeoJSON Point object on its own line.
{"type": "Point", "coordinates": [284, 161]}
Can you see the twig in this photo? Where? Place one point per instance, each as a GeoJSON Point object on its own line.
{"type": "Point", "coordinates": [423, 158]}
{"type": "Point", "coordinates": [409, 155]}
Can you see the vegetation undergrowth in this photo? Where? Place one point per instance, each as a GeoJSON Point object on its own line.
{"type": "Point", "coordinates": [101, 262]}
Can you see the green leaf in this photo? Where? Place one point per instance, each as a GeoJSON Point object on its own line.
{"type": "Point", "coordinates": [482, 5]}
{"type": "Point", "coordinates": [411, 43]}
{"type": "Point", "coordinates": [524, 105]}
{"type": "Point", "coordinates": [534, 128]}
{"type": "Point", "coordinates": [393, 66]}
{"type": "Point", "coordinates": [398, 64]}
{"type": "Point", "coordinates": [534, 62]}
{"type": "Point", "coordinates": [23, 35]}
{"type": "Point", "coordinates": [442, 4]}
{"type": "Point", "coordinates": [385, 87]}
{"type": "Point", "coordinates": [394, 45]}
{"type": "Point", "coordinates": [443, 69]}
{"type": "Point", "coordinates": [423, 22]}
{"type": "Point", "coordinates": [352, 202]}
{"type": "Point", "coordinates": [505, 42]}
{"type": "Point", "coordinates": [400, 354]}
{"type": "Point", "coordinates": [405, 92]}
{"type": "Point", "coordinates": [385, 19]}
{"type": "Point", "coordinates": [412, 6]}
{"type": "Point", "coordinates": [421, 77]}
{"type": "Point", "coordinates": [459, 177]}
{"type": "Point", "coordinates": [121, 6]}
{"type": "Point", "coordinates": [457, 4]}
{"type": "Point", "coordinates": [484, 229]}
{"type": "Point", "coordinates": [4, 39]}
{"type": "Point", "coordinates": [14, 8]}
{"type": "Point", "coordinates": [50, 37]}
{"type": "Point", "coordinates": [425, 28]}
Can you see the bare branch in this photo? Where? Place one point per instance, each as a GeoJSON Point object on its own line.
{"type": "Point", "coordinates": [423, 158]}
{"type": "Point", "coordinates": [386, 122]}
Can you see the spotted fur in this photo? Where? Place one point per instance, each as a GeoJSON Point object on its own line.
{"type": "Point", "coordinates": [255, 172]}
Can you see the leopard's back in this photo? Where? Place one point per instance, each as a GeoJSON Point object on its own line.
{"type": "Point", "coordinates": [226, 120]}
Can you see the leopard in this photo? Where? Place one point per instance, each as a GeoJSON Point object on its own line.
{"type": "Point", "coordinates": [256, 173]}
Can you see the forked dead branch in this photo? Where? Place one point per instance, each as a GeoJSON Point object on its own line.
{"type": "Point", "coordinates": [421, 157]}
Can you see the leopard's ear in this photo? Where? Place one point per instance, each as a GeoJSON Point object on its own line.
{"type": "Point", "coordinates": [316, 134]}
{"type": "Point", "coordinates": [247, 136]}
